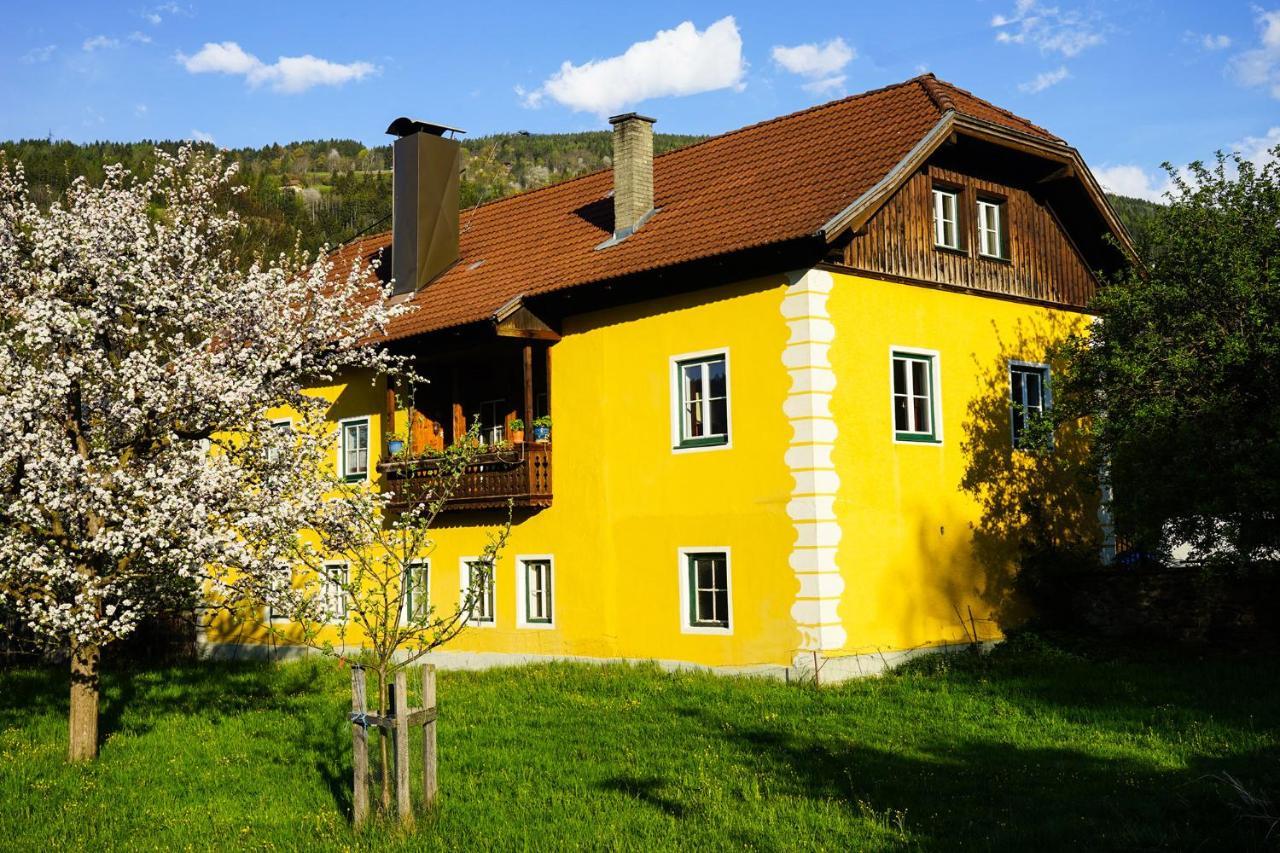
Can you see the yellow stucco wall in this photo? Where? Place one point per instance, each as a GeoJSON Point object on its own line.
{"type": "Point", "coordinates": [918, 551]}
{"type": "Point", "coordinates": [625, 503]}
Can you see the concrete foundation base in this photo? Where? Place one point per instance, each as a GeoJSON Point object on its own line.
{"type": "Point", "coordinates": [830, 670]}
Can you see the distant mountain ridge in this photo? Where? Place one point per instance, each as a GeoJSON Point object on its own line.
{"type": "Point", "coordinates": [327, 191]}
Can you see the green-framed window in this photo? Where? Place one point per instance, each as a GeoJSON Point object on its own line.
{"type": "Point", "coordinates": [537, 592]}
{"type": "Point", "coordinates": [703, 388]}
{"type": "Point", "coordinates": [354, 449]}
{"type": "Point", "coordinates": [915, 397]}
{"type": "Point", "coordinates": [1028, 396]}
{"type": "Point", "coordinates": [417, 575]}
{"type": "Point", "coordinates": [708, 588]}
{"type": "Point", "coordinates": [480, 583]}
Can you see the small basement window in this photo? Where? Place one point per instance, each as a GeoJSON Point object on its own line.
{"type": "Point", "coordinates": [707, 588]}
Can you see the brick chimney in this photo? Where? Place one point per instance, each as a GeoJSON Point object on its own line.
{"type": "Point", "coordinates": [424, 202]}
{"type": "Point", "coordinates": [632, 172]}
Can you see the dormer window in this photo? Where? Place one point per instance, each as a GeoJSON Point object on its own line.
{"type": "Point", "coordinates": [991, 229]}
{"type": "Point", "coordinates": [946, 218]}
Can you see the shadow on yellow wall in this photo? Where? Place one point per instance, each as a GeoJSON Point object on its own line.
{"type": "Point", "coordinates": [1035, 504]}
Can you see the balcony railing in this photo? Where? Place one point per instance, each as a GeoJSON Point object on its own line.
{"type": "Point", "coordinates": [520, 474]}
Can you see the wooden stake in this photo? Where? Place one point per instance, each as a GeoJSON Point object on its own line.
{"type": "Point", "coordinates": [400, 707]}
{"type": "Point", "coordinates": [359, 749]}
{"type": "Point", "coordinates": [430, 759]}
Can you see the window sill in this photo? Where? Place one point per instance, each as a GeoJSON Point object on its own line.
{"type": "Point", "coordinates": [700, 443]}
{"type": "Point", "coordinates": [999, 259]}
{"type": "Point", "coordinates": [355, 478]}
{"type": "Point", "coordinates": [706, 629]}
{"type": "Point", "coordinates": [915, 438]}
{"type": "Point", "coordinates": [952, 250]}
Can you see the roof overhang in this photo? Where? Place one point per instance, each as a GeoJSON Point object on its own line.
{"type": "Point", "coordinates": [950, 124]}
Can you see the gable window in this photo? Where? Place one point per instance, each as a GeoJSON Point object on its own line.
{"type": "Point", "coordinates": [705, 584]}
{"type": "Point", "coordinates": [1028, 396]}
{"type": "Point", "coordinates": [416, 576]}
{"type": "Point", "coordinates": [537, 587]}
{"type": "Point", "coordinates": [991, 229]}
{"type": "Point", "coordinates": [946, 218]}
{"type": "Point", "coordinates": [354, 449]}
{"type": "Point", "coordinates": [915, 398]}
{"type": "Point", "coordinates": [702, 395]}
{"type": "Point", "coordinates": [477, 585]}
{"type": "Point", "coordinates": [334, 592]}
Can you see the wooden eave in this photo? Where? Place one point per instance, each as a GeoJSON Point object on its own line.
{"type": "Point", "coordinates": [856, 215]}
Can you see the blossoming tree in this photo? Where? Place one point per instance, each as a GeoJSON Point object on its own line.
{"type": "Point", "coordinates": [137, 359]}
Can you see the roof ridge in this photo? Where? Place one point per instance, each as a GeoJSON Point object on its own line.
{"type": "Point", "coordinates": [816, 107]}
{"type": "Point", "coordinates": [937, 93]}
{"type": "Point", "coordinates": [994, 106]}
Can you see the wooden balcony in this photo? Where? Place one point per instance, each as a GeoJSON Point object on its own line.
{"type": "Point", "coordinates": [520, 474]}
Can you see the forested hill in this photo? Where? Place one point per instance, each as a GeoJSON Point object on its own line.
{"type": "Point", "coordinates": [330, 190]}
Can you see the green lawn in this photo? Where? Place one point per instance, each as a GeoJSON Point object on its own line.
{"type": "Point", "coordinates": [1029, 748]}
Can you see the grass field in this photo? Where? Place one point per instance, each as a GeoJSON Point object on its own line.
{"type": "Point", "coordinates": [1030, 748]}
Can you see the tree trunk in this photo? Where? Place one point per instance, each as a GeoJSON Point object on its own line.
{"type": "Point", "coordinates": [83, 744]}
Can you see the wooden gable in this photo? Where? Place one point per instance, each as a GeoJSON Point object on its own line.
{"type": "Point", "coordinates": [1042, 264]}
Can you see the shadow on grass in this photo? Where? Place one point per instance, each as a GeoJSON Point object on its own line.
{"type": "Point", "coordinates": [646, 789]}
{"type": "Point", "coordinates": [999, 796]}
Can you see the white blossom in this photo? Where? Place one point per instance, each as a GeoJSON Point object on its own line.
{"type": "Point", "coordinates": [137, 360]}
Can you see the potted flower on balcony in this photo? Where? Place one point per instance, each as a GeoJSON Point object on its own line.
{"type": "Point", "coordinates": [515, 429]}
{"type": "Point", "coordinates": [542, 429]}
{"type": "Point", "coordinates": [395, 443]}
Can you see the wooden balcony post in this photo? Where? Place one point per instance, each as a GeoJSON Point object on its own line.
{"type": "Point", "coordinates": [390, 425]}
{"type": "Point", "coordinates": [528, 386]}
{"type": "Point", "coordinates": [459, 419]}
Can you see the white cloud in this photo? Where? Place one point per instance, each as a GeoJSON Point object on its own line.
{"type": "Point", "coordinates": [1209, 41]}
{"type": "Point", "coordinates": [201, 136]}
{"type": "Point", "coordinates": [1261, 65]}
{"type": "Point", "coordinates": [99, 42]}
{"type": "Point", "coordinates": [288, 74]}
{"type": "Point", "coordinates": [679, 61]}
{"type": "Point", "coordinates": [140, 110]}
{"type": "Point", "coordinates": [821, 63]}
{"type": "Point", "coordinates": [156, 14]}
{"type": "Point", "coordinates": [140, 38]}
{"type": "Point", "coordinates": [1049, 28]}
{"type": "Point", "coordinates": [1044, 80]}
{"type": "Point", "coordinates": [1139, 182]}
{"type": "Point", "coordinates": [1133, 181]}
{"type": "Point", "coordinates": [39, 54]}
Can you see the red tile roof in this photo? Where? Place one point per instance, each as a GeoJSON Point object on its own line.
{"type": "Point", "coordinates": [768, 183]}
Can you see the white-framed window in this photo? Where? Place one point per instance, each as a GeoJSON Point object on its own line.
{"type": "Point", "coordinates": [700, 400]}
{"type": "Point", "coordinates": [706, 600]}
{"type": "Point", "coordinates": [991, 229]}
{"type": "Point", "coordinates": [493, 421]}
{"type": "Point", "coordinates": [415, 586]}
{"type": "Point", "coordinates": [916, 402]}
{"type": "Point", "coordinates": [283, 428]}
{"type": "Point", "coordinates": [478, 574]}
{"type": "Point", "coordinates": [279, 582]}
{"type": "Point", "coordinates": [336, 578]}
{"type": "Point", "coordinates": [1029, 395]}
{"type": "Point", "coordinates": [353, 449]}
{"type": "Point", "coordinates": [535, 590]}
{"type": "Point", "coordinates": [946, 218]}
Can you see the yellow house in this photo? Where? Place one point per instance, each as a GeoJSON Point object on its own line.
{"type": "Point", "coordinates": [787, 366]}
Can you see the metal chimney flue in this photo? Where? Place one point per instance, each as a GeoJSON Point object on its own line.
{"type": "Point", "coordinates": [424, 203]}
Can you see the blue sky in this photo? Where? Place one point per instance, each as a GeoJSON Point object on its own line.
{"type": "Point", "coordinates": [1130, 84]}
